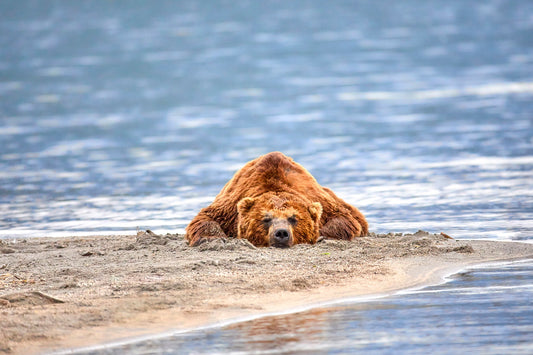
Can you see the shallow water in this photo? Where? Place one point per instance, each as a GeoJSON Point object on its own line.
{"type": "Point", "coordinates": [485, 310]}
{"type": "Point", "coordinates": [123, 115]}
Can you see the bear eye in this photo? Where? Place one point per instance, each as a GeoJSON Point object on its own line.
{"type": "Point", "coordinates": [267, 220]}
{"type": "Point", "coordinates": [292, 220]}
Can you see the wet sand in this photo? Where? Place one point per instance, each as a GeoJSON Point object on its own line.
{"type": "Point", "coordinates": [62, 293]}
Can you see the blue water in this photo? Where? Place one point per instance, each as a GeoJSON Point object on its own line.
{"type": "Point", "coordinates": [118, 115]}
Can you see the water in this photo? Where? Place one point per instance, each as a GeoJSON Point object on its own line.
{"type": "Point", "coordinates": [116, 116]}
{"type": "Point", "coordinates": [123, 115]}
{"type": "Point", "coordinates": [484, 311]}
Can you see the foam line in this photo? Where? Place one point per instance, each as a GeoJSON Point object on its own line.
{"type": "Point", "coordinates": [481, 90]}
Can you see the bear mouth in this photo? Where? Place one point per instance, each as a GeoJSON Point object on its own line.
{"type": "Point", "coordinates": [280, 245]}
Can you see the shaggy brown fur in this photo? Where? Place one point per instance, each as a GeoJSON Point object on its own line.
{"type": "Point", "coordinates": [274, 201]}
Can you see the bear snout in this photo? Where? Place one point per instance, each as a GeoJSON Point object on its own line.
{"type": "Point", "coordinates": [281, 237]}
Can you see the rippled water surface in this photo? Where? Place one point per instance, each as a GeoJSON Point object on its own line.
{"type": "Point", "coordinates": [119, 114]}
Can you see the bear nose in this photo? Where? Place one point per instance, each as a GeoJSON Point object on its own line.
{"type": "Point", "coordinates": [282, 235]}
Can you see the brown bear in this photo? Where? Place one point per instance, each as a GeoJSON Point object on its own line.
{"type": "Point", "coordinates": [274, 201]}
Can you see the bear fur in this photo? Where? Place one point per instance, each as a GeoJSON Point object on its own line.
{"type": "Point", "coordinates": [274, 201]}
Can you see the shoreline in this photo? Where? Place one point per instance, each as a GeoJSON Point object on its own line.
{"type": "Point", "coordinates": [444, 278]}
{"type": "Point", "coordinates": [128, 288]}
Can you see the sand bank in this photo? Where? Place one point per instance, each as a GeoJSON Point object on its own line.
{"type": "Point", "coordinates": [60, 293]}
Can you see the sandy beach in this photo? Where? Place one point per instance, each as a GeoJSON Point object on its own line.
{"type": "Point", "coordinates": [63, 293]}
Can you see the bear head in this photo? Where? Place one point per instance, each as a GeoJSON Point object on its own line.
{"type": "Point", "coordinates": [278, 219]}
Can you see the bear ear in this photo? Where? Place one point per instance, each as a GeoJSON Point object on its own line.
{"type": "Point", "coordinates": [245, 204]}
{"type": "Point", "coordinates": [316, 210]}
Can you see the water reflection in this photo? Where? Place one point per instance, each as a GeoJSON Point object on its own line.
{"type": "Point", "coordinates": [271, 333]}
